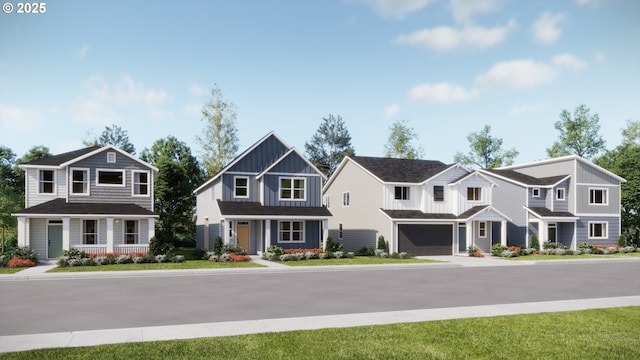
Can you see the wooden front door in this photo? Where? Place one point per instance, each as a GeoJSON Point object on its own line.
{"type": "Point", "coordinates": [243, 232]}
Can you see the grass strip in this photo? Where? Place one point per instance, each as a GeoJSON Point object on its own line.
{"type": "Point", "coordinates": [189, 264]}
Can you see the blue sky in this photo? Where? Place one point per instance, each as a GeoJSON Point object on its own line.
{"type": "Point", "coordinates": [447, 66]}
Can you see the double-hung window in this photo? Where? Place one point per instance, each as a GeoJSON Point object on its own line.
{"type": "Point", "coordinates": [292, 188]}
{"type": "Point", "coordinates": [80, 181]}
{"type": "Point", "coordinates": [560, 194]}
{"type": "Point", "coordinates": [482, 229]}
{"type": "Point", "coordinates": [474, 193]}
{"type": "Point", "coordinates": [241, 187]}
{"type": "Point", "coordinates": [598, 197]}
{"type": "Point", "coordinates": [131, 232]}
{"type": "Point", "coordinates": [438, 193]}
{"type": "Point", "coordinates": [140, 183]}
{"type": "Point", "coordinates": [291, 231]}
{"type": "Point", "coordinates": [401, 193]}
{"type": "Point", "coordinates": [90, 232]}
{"type": "Point", "coordinates": [598, 230]}
{"type": "Point", "coordinates": [46, 182]}
{"type": "Point", "coordinates": [345, 199]}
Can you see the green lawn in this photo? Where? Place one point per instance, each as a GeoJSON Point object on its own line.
{"type": "Point", "coordinates": [571, 257]}
{"type": "Point", "coordinates": [8, 270]}
{"type": "Point", "coordinates": [580, 335]}
{"type": "Point", "coordinates": [357, 260]}
{"type": "Point", "coordinates": [189, 264]}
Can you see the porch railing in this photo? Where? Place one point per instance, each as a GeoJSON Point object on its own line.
{"type": "Point", "coordinates": [119, 248]}
{"type": "Point", "coordinates": [92, 249]}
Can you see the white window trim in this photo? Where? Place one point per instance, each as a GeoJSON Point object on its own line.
{"type": "Point", "coordinates": [124, 177]}
{"type": "Point", "coordinates": [87, 172]}
{"type": "Point", "coordinates": [293, 179]}
{"type": "Point", "coordinates": [327, 201]}
{"type": "Point", "coordinates": [479, 193]}
{"type": "Point", "coordinates": [291, 231]}
{"type": "Point", "coordinates": [124, 232]}
{"type": "Point", "coordinates": [133, 183]}
{"type": "Point", "coordinates": [111, 157]}
{"type": "Point", "coordinates": [433, 193]}
{"type": "Point", "coordinates": [402, 187]}
{"type": "Point", "coordinates": [55, 182]}
{"type": "Point", "coordinates": [84, 233]}
{"type": "Point", "coordinates": [533, 192]}
{"type": "Point", "coordinates": [480, 235]}
{"type": "Point", "coordinates": [564, 194]}
{"type": "Point", "coordinates": [347, 197]}
{"type": "Point", "coordinates": [606, 196]}
{"type": "Point", "coordinates": [606, 230]}
{"type": "Point", "coordinates": [235, 186]}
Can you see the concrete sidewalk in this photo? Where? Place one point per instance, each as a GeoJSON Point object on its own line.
{"type": "Point", "coordinates": [192, 331]}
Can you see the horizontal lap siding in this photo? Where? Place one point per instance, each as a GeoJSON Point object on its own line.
{"type": "Point", "coordinates": [38, 237]}
{"type": "Point", "coordinates": [613, 225]}
{"type": "Point", "coordinates": [32, 187]}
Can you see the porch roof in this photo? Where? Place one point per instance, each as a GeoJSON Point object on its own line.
{"type": "Point", "coordinates": [544, 213]}
{"type": "Point", "coordinates": [235, 208]}
{"type": "Point", "coordinates": [419, 215]}
{"type": "Point", "coordinates": [60, 207]}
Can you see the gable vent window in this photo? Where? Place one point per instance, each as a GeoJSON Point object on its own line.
{"type": "Point", "coordinates": [111, 157]}
{"type": "Point", "coordinates": [401, 193]}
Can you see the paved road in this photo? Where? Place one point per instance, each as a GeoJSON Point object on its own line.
{"type": "Point", "coordinates": [43, 306]}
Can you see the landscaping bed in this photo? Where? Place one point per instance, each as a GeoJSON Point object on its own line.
{"type": "Point", "coordinates": [188, 264]}
{"type": "Point", "coordinates": [555, 251]}
{"type": "Point", "coordinates": [17, 259]}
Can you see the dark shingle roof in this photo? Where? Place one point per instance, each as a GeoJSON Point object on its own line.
{"type": "Point", "coordinates": [257, 209]}
{"type": "Point", "coordinates": [401, 170]}
{"type": "Point", "coordinates": [527, 179]}
{"type": "Point", "coordinates": [417, 214]}
{"type": "Point", "coordinates": [62, 207]}
{"type": "Point", "coordinates": [474, 210]}
{"type": "Point", "coordinates": [56, 160]}
{"type": "Point", "coordinates": [544, 212]}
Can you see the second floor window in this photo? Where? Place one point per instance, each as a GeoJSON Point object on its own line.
{"type": "Point", "coordinates": [140, 183]}
{"type": "Point", "coordinates": [535, 192]}
{"type": "Point", "coordinates": [473, 193]}
{"type": "Point", "coordinates": [46, 181]}
{"type": "Point", "coordinates": [110, 177]}
{"type": "Point", "coordinates": [598, 197]}
{"type": "Point", "coordinates": [79, 181]}
{"type": "Point", "coordinates": [90, 232]}
{"type": "Point", "coordinates": [402, 193]}
{"type": "Point", "coordinates": [241, 187]}
{"type": "Point", "coordinates": [345, 199]}
{"type": "Point", "coordinates": [560, 195]}
{"type": "Point", "coordinates": [438, 193]}
{"type": "Point", "coordinates": [292, 189]}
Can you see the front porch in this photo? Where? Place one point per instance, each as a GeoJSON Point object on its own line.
{"type": "Point", "coordinates": [551, 227]}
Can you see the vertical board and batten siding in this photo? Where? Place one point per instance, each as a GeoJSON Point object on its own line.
{"type": "Point", "coordinates": [313, 185]}
{"type": "Point", "coordinates": [485, 194]}
{"type": "Point", "coordinates": [613, 229]}
{"type": "Point", "coordinates": [311, 236]}
{"type": "Point", "coordinates": [207, 206]}
{"type": "Point", "coordinates": [261, 156]}
{"type": "Point", "coordinates": [293, 164]}
{"type": "Point", "coordinates": [33, 198]}
{"type": "Point", "coordinates": [228, 188]}
{"type": "Point", "coordinates": [38, 236]}
{"type": "Point", "coordinates": [510, 199]}
{"type": "Point", "coordinates": [444, 179]}
{"type": "Point", "coordinates": [413, 203]}
{"type": "Point", "coordinates": [362, 221]}
{"type": "Point", "coordinates": [113, 194]}
{"type": "Point", "coordinates": [256, 242]}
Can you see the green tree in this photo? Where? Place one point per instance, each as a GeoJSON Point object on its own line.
{"type": "Point", "coordinates": [329, 145]}
{"type": "Point", "coordinates": [486, 151]}
{"type": "Point", "coordinates": [10, 199]}
{"type": "Point", "coordinates": [579, 134]}
{"type": "Point", "coordinates": [35, 153]}
{"type": "Point", "coordinates": [112, 135]}
{"type": "Point", "coordinates": [179, 175]}
{"type": "Point", "coordinates": [624, 161]}
{"type": "Point", "coordinates": [219, 140]}
{"type": "Point", "coordinates": [399, 143]}
{"type": "Point", "coordinates": [631, 134]}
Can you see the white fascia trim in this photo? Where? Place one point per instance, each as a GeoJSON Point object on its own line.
{"type": "Point", "coordinates": [454, 166]}
{"type": "Point", "coordinates": [86, 216]}
{"type": "Point", "coordinates": [43, 167]}
{"type": "Point", "coordinates": [274, 217]}
{"type": "Point", "coordinates": [474, 173]}
{"type": "Point", "coordinates": [109, 147]}
{"type": "Point", "coordinates": [284, 156]}
{"type": "Point", "coordinates": [490, 208]}
{"type": "Point", "coordinates": [597, 215]}
{"type": "Point", "coordinates": [565, 158]}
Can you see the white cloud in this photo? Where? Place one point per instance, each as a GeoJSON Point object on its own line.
{"type": "Point", "coordinates": [391, 110]}
{"type": "Point", "coordinates": [14, 118]}
{"type": "Point", "coordinates": [395, 9]}
{"type": "Point", "coordinates": [104, 99]}
{"type": "Point", "coordinates": [517, 74]}
{"type": "Point", "coordinates": [464, 10]}
{"type": "Point", "coordinates": [443, 92]}
{"type": "Point", "coordinates": [447, 38]}
{"type": "Point", "coordinates": [546, 29]}
{"type": "Point", "coordinates": [82, 52]}
{"type": "Point", "coordinates": [569, 62]}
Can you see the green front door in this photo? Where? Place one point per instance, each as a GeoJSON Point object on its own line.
{"type": "Point", "coordinates": [54, 241]}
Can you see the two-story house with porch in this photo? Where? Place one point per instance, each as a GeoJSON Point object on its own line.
{"type": "Point", "coordinates": [422, 207]}
{"type": "Point", "coordinates": [268, 195]}
{"type": "Point", "coordinates": [568, 200]}
{"type": "Point", "coordinates": [96, 199]}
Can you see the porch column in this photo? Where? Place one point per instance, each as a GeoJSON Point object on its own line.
{"type": "Point", "coordinates": [543, 233]}
{"type": "Point", "coordinates": [23, 231]}
{"type": "Point", "coordinates": [267, 234]}
{"type": "Point", "coordinates": [206, 233]}
{"type": "Point", "coordinates": [66, 233]}
{"type": "Point", "coordinates": [469, 234]}
{"type": "Point", "coordinates": [325, 233]}
{"type": "Point", "coordinates": [503, 233]}
{"type": "Point", "coordinates": [109, 235]}
{"type": "Point", "coordinates": [152, 228]}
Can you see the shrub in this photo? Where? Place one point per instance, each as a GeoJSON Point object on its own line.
{"type": "Point", "coordinates": [161, 247]}
{"type": "Point", "coordinates": [498, 249]}
{"type": "Point", "coordinates": [560, 251]}
{"type": "Point", "coordinates": [199, 253]}
{"type": "Point", "coordinates": [233, 249]}
{"type": "Point", "coordinates": [472, 249]}
{"type": "Point", "coordinates": [584, 246]}
{"type": "Point", "coordinates": [627, 249]}
{"type": "Point", "coordinates": [534, 242]}
{"type": "Point", "coordinates": [217, 245]}
{"type": "Point", "coordinates": [311, 255]}
{"type": "Point", "coordinates": [240, 258]}
{"type": "Point", "coordinates": [17, 262]}
{"type": "Point", "coordinates": [276, 250]}
{"type": "Point", "coordinates": [508, 254]}
{"type": "Point", "coordinates": [270, 256]}
{"type": "Point", "coordinates": [24, 253]}
{"type": "Point", "coordinates": [75, 262]}
{"type": "Point", "coordinates": [529, 251]}
{"type": "Point", "coordinates": [87, 261]}
{"type": "Point", "coordinates": [178, 259]}
{"type": "Point", "coordinates": [348, 254]}
{"type": "Point", "coordinates": [139, 260]}
{"type": "Point", "coordinates": [288, 257]}
{"type": "Point", "coordinates": [333, 246]}
{"type": "Point", "coordinates": [63, 261]}
{"type": "Point", "coordinates": [161, 258]}
{"type": "Point", "coordinates": [325, 255]}
{"type": "Point", "coordinates": [74, 253]}
{"type": "Point", "coordinates": [366, 251]}
{"type": "Point", "coordinates": [338, 254]}
{"type": "Point", "coordinates": [225, 257]}
{"type": "Point", "coordinates": [382, 245]}
{"type": "Point", "coordinates": [123, 259]}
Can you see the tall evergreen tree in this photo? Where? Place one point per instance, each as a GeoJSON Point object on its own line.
{"type": "Point", "coordinates": [579, 134]}
{"type": "Point", "coordinates": [485, 151]}
{"type": "Point", "coordinates": [10, 199]}
{"type": "Point", "coordinates": [112, 135]}
{"type": "Point", "coordinates": [329, 145]}
{"type": "Point", "coordinates": [399, 143]}
{"type": "Point", "coordinates": [219, 140]}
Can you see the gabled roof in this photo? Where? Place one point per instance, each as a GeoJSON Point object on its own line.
{"type": "Point", "coordinates": [526, 180]}
{"type": "Point", "coordinates": [400, 170]}
{"type": "Point", "coordinates": [290, 151]}
{"type": "Point", "coordinates": [544, 213]}
{"type": "Point", "coordinates": [236, 208]}
{"type": "Point", "coordinates": [61, 207]}
{"type": "Point", "coordinates": [470, 174]}
{"type": "Point", "coordinates": [63, 160]}
{"type": "Point", "coordinates": [565, 158]}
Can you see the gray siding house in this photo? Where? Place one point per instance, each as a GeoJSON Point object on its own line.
{"type": "Point", "coordinates": [419, 206]}
{"type": "Point", "coordinates": [268, 195]}
{"type": "Point", "coordinates": [96, 199]}
{"type": "Point", "coordinates": [568, 200]}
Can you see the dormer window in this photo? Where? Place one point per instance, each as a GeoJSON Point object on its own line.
{"type": "Point", "coordinates": [401, 193]}
{"type": "Point", "coordinates": [111, 157]}
{"type": "Point", "coordinates": [474, 193]}
{"type": "Point", "coordinates": [46, 182]}
{"type": "Point", "coordinates": [535, 192]}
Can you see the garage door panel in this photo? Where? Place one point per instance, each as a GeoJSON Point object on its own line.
{"type": "Point", "coordinates": [425, 239]}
